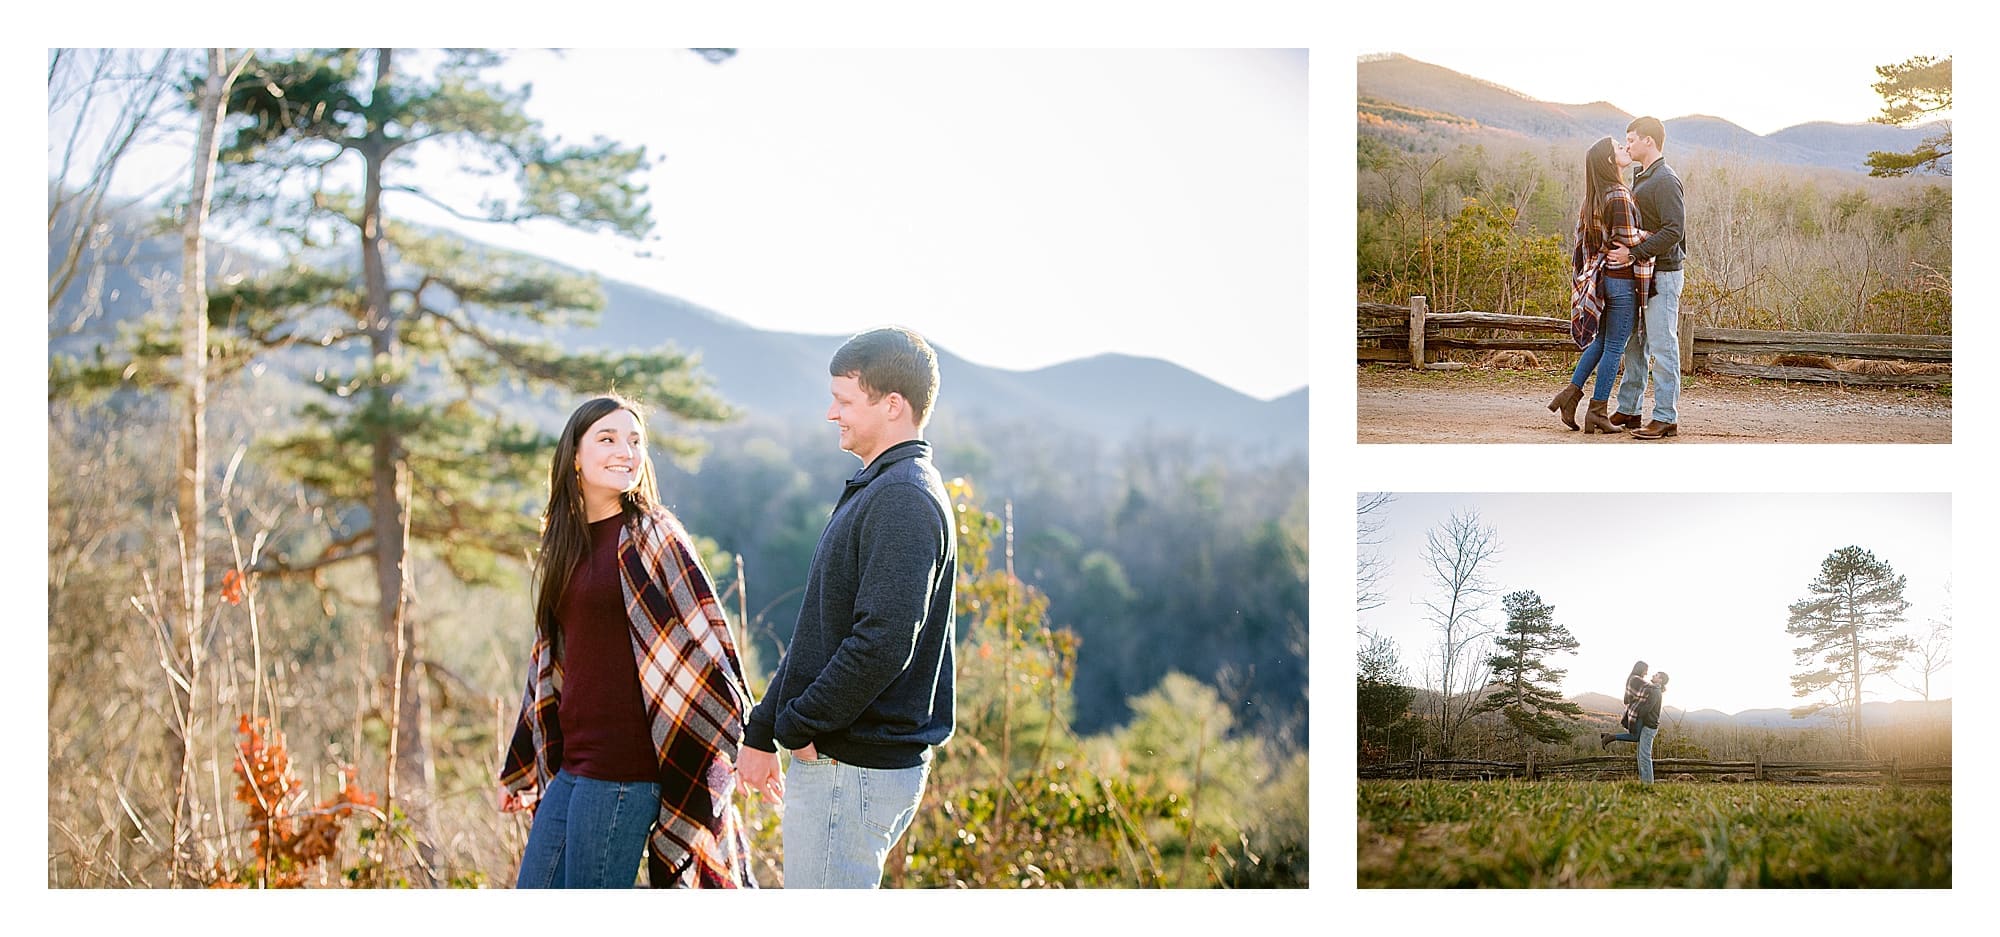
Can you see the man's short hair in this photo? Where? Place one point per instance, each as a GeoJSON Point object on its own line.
{"type": "Point", "coordinates": [891, 360]}
{"type": "Point", "coordinates": [1649, 127]}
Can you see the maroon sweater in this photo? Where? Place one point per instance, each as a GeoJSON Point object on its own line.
{"type": "Point", "coordinates": [606, 735]}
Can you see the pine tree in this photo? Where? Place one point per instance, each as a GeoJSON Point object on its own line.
{"type": "Point", "coordinates": [1524, 682]}
{"type": "Point", "coordinates": [1843, 625]}
{"type": "Point", "coordinates": [429, 351]}
{"type": "Point", "coordinates": [1381, 701]}
{"type": "Point", "coordinates": [1912, 90]}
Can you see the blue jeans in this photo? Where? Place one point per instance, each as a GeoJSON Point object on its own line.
{"type": "Point", "coordinates": [1621, 309]}
{"type": "Point", "coordinates": [841, 820]}
{"type": "Point", "coordinates": [1646, 734]}
{"type": "Point", "coordinates": [1660, 341]}
{"type": "Point", "coordinates": [589, 833]}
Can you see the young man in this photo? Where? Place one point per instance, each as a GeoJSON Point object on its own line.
{"type": "Point", "coordinates": [865, 688]}
{"type": "Point", "coordinates": [1657, 190]}
{"type": "Point", "coordinates": [1648, 724]}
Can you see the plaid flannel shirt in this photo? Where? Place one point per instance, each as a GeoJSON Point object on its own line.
{"type": "Point", "coordinates": [692, 685]}
{"type": "Point", "coordinates": [1619, 226]}
{"type": "Point", "coordinates": [1635, 690]}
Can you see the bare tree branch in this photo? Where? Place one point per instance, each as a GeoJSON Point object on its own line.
{"type": "Point", "coordinates": [1457, 554]}
{"type": "Point", "coordinates": [1370, 564]}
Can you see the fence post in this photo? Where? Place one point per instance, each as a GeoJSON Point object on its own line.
{"type": "Point", "coordinates": [1419, 307]}
{"type": "Point", "coordinates": [1684, 331]}
{"type": "Point", "coordinates": [1760, 767]}
{"type": "Point", "coordinates": [1531, 764]}
{"type": "Point", "coordinates": [1895, 773]}
{"type": "Point", "coordinates": [1417, 770]}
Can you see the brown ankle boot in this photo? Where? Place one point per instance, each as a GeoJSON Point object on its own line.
{"type": "Point", "coordinates": [1657, 430]}
{"type": "Point", "coordinates": [1627, 420]}
{"type": "Point", "coordinates": [1565, 404]}
{"type": "Point", "coordinates": [1595, 422]}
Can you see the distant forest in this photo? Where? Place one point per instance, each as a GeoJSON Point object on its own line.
{"type": "Point", "coordinates": [1487, 224]}
{"type": "Point", "coordinates": [1164, 553]}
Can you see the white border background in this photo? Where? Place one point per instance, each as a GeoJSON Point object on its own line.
{"type": "Point", "coordinates": [1336, 33]}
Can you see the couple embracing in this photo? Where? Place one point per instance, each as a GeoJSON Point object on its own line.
{"type": "Point", "coordinates": [1642, 716]}
{"type": "Point", "coordinates": [637, 726]}
{"type": "Point", "coordinates": [1626, 291]}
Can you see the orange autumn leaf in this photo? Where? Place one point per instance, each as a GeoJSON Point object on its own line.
{"type": "Point", "coordinates": [287, 837]}
{"type": "Point", "coordinates": [232, 587]}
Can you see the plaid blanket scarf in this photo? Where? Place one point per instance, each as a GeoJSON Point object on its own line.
{"type": "Point", "coordinates": [1594, 237]}
{"type": "Point", "coordinates": [693, 688]}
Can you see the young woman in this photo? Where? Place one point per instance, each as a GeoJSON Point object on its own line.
{"type": "Point", "coordinates": [1606, 299]}
{"type": "Point", "coordinates": [629, 730]}
{"type": "Point", "coordinates": [1635, 689]}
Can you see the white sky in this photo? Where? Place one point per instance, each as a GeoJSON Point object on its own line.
{"type": "Point", "coordinates": [1697, 585]}
{"type": "Point", "coordinates": [1020, 208]}
{"type": "Point", "coordinates": [1755, 87]}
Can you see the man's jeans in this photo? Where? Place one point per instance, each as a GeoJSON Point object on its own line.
{"type": "Point", "coordinates": [1646, 753]}
{"type": "Point", "coordinates": [1659, 340]}
{"type": "Point", "coordinates": [589, 833]}
{"type": "Point", "coordinates": [841, 820]}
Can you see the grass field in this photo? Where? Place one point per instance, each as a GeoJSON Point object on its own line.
{"type": "Point", "coordinates": [1590, 834]}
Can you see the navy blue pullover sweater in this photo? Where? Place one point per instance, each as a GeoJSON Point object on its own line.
{"type": "Point", "coordinates": [868, 676]}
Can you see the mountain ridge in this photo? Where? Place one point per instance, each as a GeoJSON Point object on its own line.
{"type": "Point", "coordinates": [1872, 713]}
{"type": "Point", "coordinates": [782, 375]}
{"type": "Point", "coordinates": [1398, 79]}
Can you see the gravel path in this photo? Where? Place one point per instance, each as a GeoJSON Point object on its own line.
{"type": "Point", "coordinates": [1398, 405]}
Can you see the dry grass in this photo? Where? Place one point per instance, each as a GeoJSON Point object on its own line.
{"type": "Point", "coordinates": [1867, 366]}
{"type": "Point", "coordinates": [1854, 365]}
{"type": "Point", "coordinates": [1510, 361]}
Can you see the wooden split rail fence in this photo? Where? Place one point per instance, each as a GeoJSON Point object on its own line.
{"type": "Point", "coordinates": [1603, 766]}
{"type": "Point", "coordinates": [1414, 334]}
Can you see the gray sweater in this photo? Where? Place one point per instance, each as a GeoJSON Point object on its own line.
{"type": "Point", "coordinates": [868, 676]}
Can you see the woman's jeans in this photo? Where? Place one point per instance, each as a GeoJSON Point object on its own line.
{"type": "Point", "coordinates": [589, 833]}
{"type": "Point", "coordinates": [1621, 310]}
{"type": "Point", "coordinates": [841, 820]}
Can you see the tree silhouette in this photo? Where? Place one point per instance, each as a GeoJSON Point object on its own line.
{"type": "Point", "coordinates": [1524, 682]}
{"type": "Point", "coordinates": [1855, 598]}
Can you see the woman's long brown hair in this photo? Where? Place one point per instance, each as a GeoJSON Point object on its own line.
{"type": "Point", "coordinates": [565, 528]}
{"type": "Point", "coordinates": [1600, 173]}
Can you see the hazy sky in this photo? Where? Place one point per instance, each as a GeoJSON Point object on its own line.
{"type": "Point", "coordinates": [1754, 87]}
{"type": "Point", "coordinates": [1697, 585]}
{"type": "Point", "coordinates": [1020, 208]}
